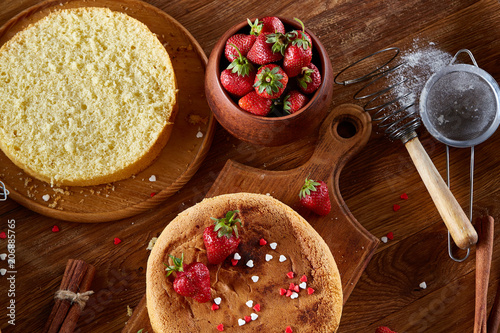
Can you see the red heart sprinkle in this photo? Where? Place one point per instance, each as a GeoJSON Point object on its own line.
{"type": "Point", "coordinates": [256, 307]}
{"type": "Point", "coordinates": [55, 228]}
{"type": "Point", "coordinates": [303, 278]}
{"type": "Point", "coordinates": [288, 329]}
{"type": "Point", "coordinates": [390, 235]}
{"type": "Point", "coordinates": [3, 235]}
{"type": "Point", "coordinates": [220, 327]}
{"type": "Point", "coordinates": [290, 275]}
{"type": "Point", "coordinates": [262, 242]}
{"type": "Point", "coordinates": [404, 196]}
{"type": "Point", "coordinates": [282, 291]}
{"type": "Point", "coordinates": [292, 286]}
{"type": "Point", "coordinates": [234, 262]}
{"type": "Point", "coordinates": [215, 307]}
{"type": "Point", "coordinates": [248, 319]}
{"type": "Point", "coordinates": [296, 288]}
{"type": "Point", "coordinates": [310, 290]}
{"type": "Point", "coordinates": [117, 241]}
{"type": "Point", "coordinates": [152, 194]}
{"type": "Point", "coordinates": [289, 293]}
{"type": "Point", "coordinates": [396, 207]}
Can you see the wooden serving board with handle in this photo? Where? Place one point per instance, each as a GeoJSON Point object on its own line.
{"type": "Point", "coordinates": [351, 245]}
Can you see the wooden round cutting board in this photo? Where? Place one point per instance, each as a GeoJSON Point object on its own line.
{"type": "Point", "coordinates": [188, 145]}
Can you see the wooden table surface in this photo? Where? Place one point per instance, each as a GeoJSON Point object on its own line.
{"type": "Point", "coordinates": [388, 292]}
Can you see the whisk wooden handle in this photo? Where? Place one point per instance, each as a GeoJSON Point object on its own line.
{"type": "Point", "coordinates": [461, 230]}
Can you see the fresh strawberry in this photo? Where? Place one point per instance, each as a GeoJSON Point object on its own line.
{"type": "Point", "coordinates": [242, 42]}
{"type": "Point", "coordinates": [298, 52]}
{"type": "Point", "coordinates": [256, 104]}
{"type": "Point", "coordinates": [309, 79]}
{"type": "Point", "coordinates": [314, 195]}
{"type": "Point", "coordinates": [270, 81]}
{"type": "Point", "coordinates": [268, 24]}
{"type": "Point", "coordinates": [384, 329]}
{"type": "Point", "coordinates": [239, 77]}
{"type": "Point", "coordinates": [262, 52]}
{"type": "Point", "coordinates": [192, 280]}
{"type": "Point", "coordinates": [294, 101]}
{"type": "Point", "coordinates": [221, 239]}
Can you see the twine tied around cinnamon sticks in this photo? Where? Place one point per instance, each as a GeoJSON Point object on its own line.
{"type": "Point", "coordinates": [71, 297]}
{"type": "Point", "coordinates": [78, 298]}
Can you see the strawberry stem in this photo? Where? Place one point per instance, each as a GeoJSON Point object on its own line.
{"type": "Point", "coordinates": [269, 80]}
{"type": "Point", "coordinates": [240, 65]}
{"type": "Point", "coordinates": [177, 267]}
{"type": "Point", "coordinates": [256, 27]}
{"type": "Point", "coordinates": [309, 185]}
{"type": "Point", "coordinates": [226, 225]}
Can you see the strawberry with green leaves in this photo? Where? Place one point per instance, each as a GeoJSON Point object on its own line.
{"type": "Point", "coordinates": [238, 78]}
{"type": "Point", "coordinates": [298, 52]}
{"type": "Point", "coordinates": [221, 239]}
{"type": "Point", "coordinates": [314, 195]}
{"type": "Point", "coordinates": [294, 101]}
{"type": "Point", "coordinates": [191, 280]}
{"type": "Point", "coordinates": [238, 44]}
{"type": "Point", "coordinates": [384, 329]}
{"type": "Point", "coordinates": [270, 24]}
{"type": "Point", "coordinates": [270, 81]}
{"type": "Point", "coordinates": [256, 104]}
{"type": "Point", "coordinates": [309, 79]}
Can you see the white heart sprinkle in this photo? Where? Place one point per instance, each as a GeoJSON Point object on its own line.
{"type": "Point", "coordinates": [249, 303]}
{"type": "Point", "coordinates": [254, 316]}
{"type": "Point", "coordinates": [199, 134]}
{"type": "Point", "coordinates": [46, 197]}
{"type": "Point", "coordinates": [3, 256]}
{"type": "Point", "coordinates": [273, 245]}
{"type": "Point", "coordinates": [152, 178]}
{"type": "Point", "coordinates": [11, 262]}
{"type": "Point", "coordinates": [250, 263]}
{"type": "Point", "coordinates": [237, 256]}
{"type": "Point", "coordinates": [3, 271]}
{"type": "Point", "coordinates": [241, 322]}
{"type": "Point", "coordinates": [268, 194]}
{"type": "Point", "coordinates": [217, 300]}
{"type": "Point", "coordinates": [303, 285]}
{"type": "Point", "coordinates": [282, 258]}
{"type": "Point", "coordinates": [384, 239]}
{"type": "Point", "coordinates": [268, 257]}
{"type": "Point", "coordinates": [423, 285]}
{"type": "Point", "coordinates": [294, 295]}
{"type": "Point", "coordinates": [255, 278]}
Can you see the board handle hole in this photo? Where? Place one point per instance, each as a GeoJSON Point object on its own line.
{"type": "Point", "coordinates": [346, 128]}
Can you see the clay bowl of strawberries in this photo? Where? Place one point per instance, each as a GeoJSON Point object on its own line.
{"type": "Point", "coordinates": [269, 81]}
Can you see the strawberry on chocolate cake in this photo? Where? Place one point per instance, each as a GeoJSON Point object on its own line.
{"type": "Point", "coordinates": [278, 273]}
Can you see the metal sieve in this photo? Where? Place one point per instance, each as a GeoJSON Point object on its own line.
{"type": "Point", "coordinates": [460, 107]}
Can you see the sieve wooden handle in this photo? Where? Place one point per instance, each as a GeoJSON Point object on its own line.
{"type": "Point", "coordinates": [461, 229]}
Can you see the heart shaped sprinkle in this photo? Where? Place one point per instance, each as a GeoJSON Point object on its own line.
{"type": "Point", "coordinates": [294, 295]}
{"type": "Point", "coordinates": [248, 319]}
{"type": "Point", "coordinates": [303, 285]}
{"type": "Point", "coordinates": [273, 245]}
{"type": "Point", "coordinates": [215, 307]}
{"type": "Point", "coordinates": [217, 300]}
{"type": "Point", "coordinates": [249, 303]}
{"type": "Point", "coordinates": [117, 241]}
{"type": "Point", "coordinates": [384, 239]}
{"type": "Point", "coordinates": [152, 178]}
{"type": "Point", "coordinates": [310, 290]}
{"type": "Point", "coordinates": [234, 262]}
{"type": "Point", "coordinates": [423, 285]}
{"type": "Point", "coordinates": [396, 207]}
{"type": "Point", "coordinates": [3, 271]}
{"type": "Point", "coordinates": [237, 256]}
{"type": "Point", "coordinates": [268, 257]}
{"type": "Point", "coordinates": [288, 329]}
{"type": "Point", "coordinates": [256, 307]}
{"type": "Point", "coordinates": [254, 316]}
{"type": "Point", "coordinates": [262, 242]}
{"type": "Point", "coordinates": [290, 275]}
{"type": "Point", "coordinates": [292, 286]}
{"type": "Point", "coordinates": [288, 293]}
{"type": "Point", "coordinates": [255, 278]}
{"type": "Point", "coordinates": [3, 256]}
{"type": "Point", "coordinates": [390, 235]}
{"type": "Point", "coordinates": [152, 194]}
{"type": "Point", "coordinates": [3, 235]}
{"type": "Point", "coordinates": [404, 196]}
{"type": "Point", "coordinates": [46, 197]}
{"type": "Point", "coordinates": [282, 291]}
{"type": "Point", "coordinates": [282, 258]}
{"type": "Point", "coordinates": [220, 327]}
{"type": "Point", "coordinates": [303, 278]}
{"type": "Point", "coordinates": [250, 263]}
{"type": "Point", "coordinates": [55, 228]}
{"type": "Point", "coordinates": [241, 322]}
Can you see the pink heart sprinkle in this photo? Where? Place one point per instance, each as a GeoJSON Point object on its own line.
{"type": "Point", "coordinates": [404, 196]}
{"type": "Point", "coordinates": [117, 241]}
{"type": "Point", "coordinates": [262, 242]}
{"type": "Point", "coordinates": [256, 307]}
{"type": "Point", "coordinates": [55, 228]}
{"type": "Point", "coordinates": [220, 327]}
{"type": "Point", "coordinates": [396, 207]}
{"type": "Point", "coordinates": [303, 278]}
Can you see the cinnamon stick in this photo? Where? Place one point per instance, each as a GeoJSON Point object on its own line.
{"type": "Point", "coordinates": [69, 323]}
{"type": "Point", "coordinates": [484, 252]}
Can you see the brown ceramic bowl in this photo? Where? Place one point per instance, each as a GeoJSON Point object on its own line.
{"type": "Point", "coordinates": [267, 131]}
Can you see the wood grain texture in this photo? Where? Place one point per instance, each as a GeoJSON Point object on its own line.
{"type": "Point", "coordinates": [388, 291]}
{"type": "Point", "coordinates": [178, 160]}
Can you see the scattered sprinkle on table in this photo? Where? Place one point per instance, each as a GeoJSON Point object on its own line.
{"type": "Point", "coordinates": [423, 285]}
{"type": "Point", "coordinates": [199, 134]}
{"type": "Point", "coordinates": [390, 235]}
{"type": "Point", "coordinates": [117, 241]}
{"type": "Point", "coordinates": [3, 235]}
{"type": "Point", "coordinates": [3, 256]}
{"type": "Point", "coordinates": [396, 207]}
{"type": "Point", "coordinates": [404, 196]}
{"type": "Point", "coordinates": [3, 271]}
{"type": "Point", "coordinates": [384, 239]}
{"type": "Point", "coordinates": [152, 178]}
{"type": "Point", "coordinates": [152, 194]}
{"type": "Point", "coordinates": [55, 228]}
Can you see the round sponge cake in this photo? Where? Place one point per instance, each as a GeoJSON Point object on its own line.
{"type": "Point", "coordinates": [87, 96]}
{"type": "Point", "coordinates": [256, 278]}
